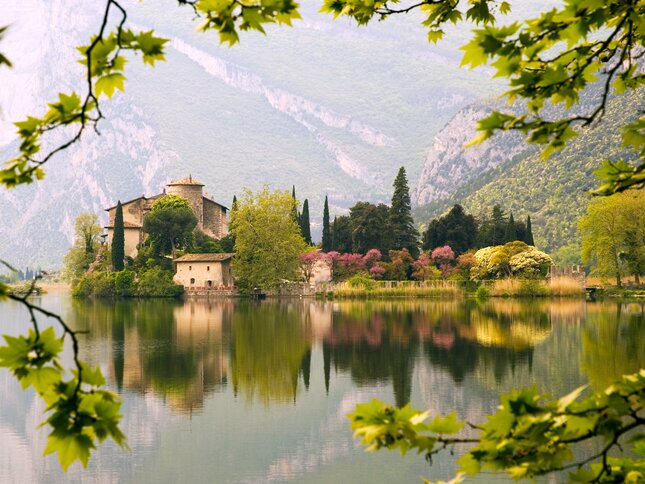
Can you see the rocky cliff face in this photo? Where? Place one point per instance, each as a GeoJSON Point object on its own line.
{"type": "Point", "coordinates": [449, 164]}
{"type": "Point", "coordinates": [331, 108]}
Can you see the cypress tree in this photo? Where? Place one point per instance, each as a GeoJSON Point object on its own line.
{"type": "Point", "coordinates": [498, 227]}
{"type": "Point", "coordinates": [326, 230]}
{"type": "Point", "coordinates": [305, 227]}
{"type": "Point", "coordinates": [234, 204]}
{"type": "Point", "coordinates": [403, 234]}
{"type": "Point", "coordinates": [529, 232]}
{"type": "Point", "coordinates": [118, 239]}
{"type": "Point", "coordinates": [294, 210]}
{"type": "Point", "coordinates": [334, 234]}
{"type": "Point", "coordinates": [511, 229]}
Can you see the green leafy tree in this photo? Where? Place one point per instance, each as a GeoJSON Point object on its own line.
{"type": "Point", "coordinates": [613, 235]}
{"type": "Point", "coordinates": [369, 227]}
{"type": "Point", "coordinates": [456, 229]}
{"type": "Point", "coordinates": [118, 239]}
{"type": "Point", "coordinates": [87, 229]}
{"type": "Point", "coordinates": [305, 227]}
{"type": "Point", "coordinates": [268, 242]}
{"type": "Point", "coordinates": [403, 234]}
{"type": "Point", "coordinates": [326, 229]}
{"type": "Point", "coordinates": [85, 248]}
{"type": "Point", "coordinates": [170, 224]}
{"type": "Point", "coordinates": [342, 234]}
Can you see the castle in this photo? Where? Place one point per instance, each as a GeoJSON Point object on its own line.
{"type": "Point", "coordinates": [211, 216]}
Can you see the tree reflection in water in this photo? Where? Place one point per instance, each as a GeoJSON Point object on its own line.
{"type": "Point", "coordinates": [183, 352]}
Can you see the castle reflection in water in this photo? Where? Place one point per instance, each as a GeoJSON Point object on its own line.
{"type": "Point", "coordinates": [183, 352]}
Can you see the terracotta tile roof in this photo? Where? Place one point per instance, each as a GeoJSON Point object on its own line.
{"type": "Point", "coordinates": [204, 257]}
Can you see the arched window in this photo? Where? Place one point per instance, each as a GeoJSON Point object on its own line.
{"type": "Point", "coordinates": [192, 280]}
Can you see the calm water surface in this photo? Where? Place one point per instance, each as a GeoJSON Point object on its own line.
{"type": "Point", "coordinates": [236, 391]}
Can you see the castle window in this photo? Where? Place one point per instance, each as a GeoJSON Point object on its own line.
{"type": "Point", "coordinates": [190, 268]}
{"type": "Point", "coordinates": [210, 283]}
{"type": "Point", "coordinates": [192, 280]}
{"type": "Point", "coordinates": [208, 268]}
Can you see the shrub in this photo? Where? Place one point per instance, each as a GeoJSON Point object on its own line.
{"type": "Point", "coordinates": [157, 282]}
{"type": "Point", "coordinates": [124, 284]}
{"type": "Point", "coordinates": [97, 284]}
{"type": "Point", "coordinates": [361, 280]}
{"type": "Point", "coordinates": [482, 292]}
{"type": "Point", "coordinates": [512, 259]}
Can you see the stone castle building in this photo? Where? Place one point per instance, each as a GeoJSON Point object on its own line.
{"type": "Point", "coordinates": [211, 216]}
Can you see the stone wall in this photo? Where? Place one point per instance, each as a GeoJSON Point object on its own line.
{"type": "Point", "coordinates": [214, 219]}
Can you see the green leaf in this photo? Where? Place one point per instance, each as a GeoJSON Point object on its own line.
{"type": "Point", "coordinates": [109, 83]}
{"type": "Point", "coordinates": [446, 425]}
{"type": "Point", "coordinates": [565, 401]}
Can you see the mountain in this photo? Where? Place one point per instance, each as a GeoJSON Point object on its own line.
{"type": "Point", "coordinates": [507, 172]}
{"type": "Point", "coordinates": [327, 106]}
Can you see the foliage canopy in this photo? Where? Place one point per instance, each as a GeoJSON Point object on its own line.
{"type": "Point", "coordinates": [528, 436]}
{"type": "Point", "coordinates": [268, 241]}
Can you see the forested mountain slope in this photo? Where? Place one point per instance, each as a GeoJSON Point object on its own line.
{"type": "Point", "coordinates": [553, 192]}
{"type": "Point", "coordinates": [327, 106]}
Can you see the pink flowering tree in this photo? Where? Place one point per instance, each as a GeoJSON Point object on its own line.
{"type": "Point", "coordinates": [308, 262]}
{"type": "Point", "coordinates": [349, 264]}
{"type": "Point", "coordinates": [371, 258]}
{"type": "Point", "coordinates": [424, 269]}
{"type": "Point", "coordinates": [377, 271]}
{"type": "Point", "coordinates": [443, 258]}
{"type": "Point", "coordinates": [465, 263]}
{"type": "Point", "coordinates": [400, 265]}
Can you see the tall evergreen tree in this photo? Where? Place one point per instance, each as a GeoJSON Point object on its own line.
{"type": "Point", "coordinates": [234, 204]}
{"type": "Point", "coordinates": [305, 227]}
{"type": "Point", "coordinates": [529, 232]}
{"type": "Point", "coordinates": [401, 228]}
{"type": "Point", "coordinates": [294, 210]}
{"type": "Point", "coordinates": [511, 229]}
{"type": "Point", "coordinates": [118, 239]}
{"type": "Point", "coordinates": [326, 229]}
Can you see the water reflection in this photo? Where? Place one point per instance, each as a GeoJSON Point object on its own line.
{"type": "Point", "coordinates": [184, 352]}
{"type": "Point", "coordinates": [613, 342]}
{"type": "Point", "coordinates": [177, 351]}
{"type": "Point", "coordinates": [232, 391]}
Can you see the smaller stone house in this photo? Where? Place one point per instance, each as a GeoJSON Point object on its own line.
{"type": "Point", "coordinates": [204, 271]}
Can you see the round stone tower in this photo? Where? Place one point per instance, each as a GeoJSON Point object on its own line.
{"type": "Point", "coordinates": [191, 190]}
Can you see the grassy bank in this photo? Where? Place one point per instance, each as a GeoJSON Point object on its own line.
{"type": "Point", "coordinates": [366, 288]}
{"type": "Point", "coordinates": [557, 287]}
{"type": "Point", "coordinates": [370, 289]}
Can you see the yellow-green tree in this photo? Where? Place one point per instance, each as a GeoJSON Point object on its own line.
{"type": "Point", "coordinates": [613, 235]}
{"type": "Point", "coordinates": [83, 252]}
{"type": "Point", "coordinates": [268, 242]}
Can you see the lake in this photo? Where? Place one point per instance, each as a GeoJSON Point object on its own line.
{"type": "Point", "coordinates": [242, 391]}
